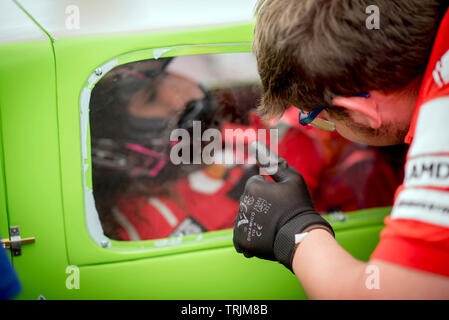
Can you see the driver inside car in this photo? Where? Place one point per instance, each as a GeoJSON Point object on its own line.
{"type": "Point", "coordinates": [140, 194]}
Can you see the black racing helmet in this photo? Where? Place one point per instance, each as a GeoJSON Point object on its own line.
{"type": "Point", "coordinates": [137, 147]}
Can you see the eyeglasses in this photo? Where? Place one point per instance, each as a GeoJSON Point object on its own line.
{"type": "Point", "coordinates": [310, 118]}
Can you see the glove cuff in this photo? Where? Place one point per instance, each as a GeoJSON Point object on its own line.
{"type": "Point", "coordinates": [284, 243]}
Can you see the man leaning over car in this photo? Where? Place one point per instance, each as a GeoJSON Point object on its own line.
{"type": "Point", "coordinates": [379, 87]}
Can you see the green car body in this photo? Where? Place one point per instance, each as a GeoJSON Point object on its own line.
{"type": "Point", "coordinates": [44, 176]}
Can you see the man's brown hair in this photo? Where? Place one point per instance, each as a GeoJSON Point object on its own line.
{"type": "Point", "coordinates": [310, 51]}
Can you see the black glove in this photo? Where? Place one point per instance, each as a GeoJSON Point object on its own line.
{"type": "Point", "coordinates": [271, 214]}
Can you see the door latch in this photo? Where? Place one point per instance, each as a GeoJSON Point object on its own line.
{"type": "Point", "coordinates": [15, 242]}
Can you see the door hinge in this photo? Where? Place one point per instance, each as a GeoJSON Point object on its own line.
{"type": "Point", "coordinates": [15, 242]}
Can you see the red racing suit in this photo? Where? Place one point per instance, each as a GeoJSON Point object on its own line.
{"type": "Point", "coordinates": [339, 175]}
{"type": "Point", "coordinates": [208, 199]}
{"type": "Point", "coordinates": [417, 231]}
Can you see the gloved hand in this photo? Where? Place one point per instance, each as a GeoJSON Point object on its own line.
{"type": "Point", "coordinates": [271, 214]}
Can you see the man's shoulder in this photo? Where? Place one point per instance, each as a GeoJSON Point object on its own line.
{"type": "Point", "coordinates": [436, 79]}
{"type": "Point", "coordinates": [435, 84]}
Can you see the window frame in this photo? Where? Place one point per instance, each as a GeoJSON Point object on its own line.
{"type": "Point", "coordinates": [86, 243]}
{"type": "Point", "coordinates": [114, 250]}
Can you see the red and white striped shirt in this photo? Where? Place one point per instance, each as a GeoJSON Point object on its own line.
{"type": "Point", "coordinates": [417, 231]}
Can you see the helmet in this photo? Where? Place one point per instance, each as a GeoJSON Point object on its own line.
{"type": "Point", "coordinates": [135, 146]}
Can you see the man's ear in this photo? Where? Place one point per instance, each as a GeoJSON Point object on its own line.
{"type": "Point", "coordinates": [362, 110]}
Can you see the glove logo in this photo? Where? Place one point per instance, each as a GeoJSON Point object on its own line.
{"type": "Point", "coordinates": [243, 220]}
{"type": "Point", "coordinates": [242, 216]}
{"type": "Point", "coordinates": [248, 200]}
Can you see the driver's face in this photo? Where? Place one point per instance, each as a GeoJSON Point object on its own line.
{"type": "Point", "coordinates": [168, 94]}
